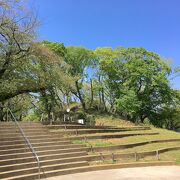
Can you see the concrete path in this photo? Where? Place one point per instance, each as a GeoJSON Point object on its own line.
{"type": "Point", "coordinates": [140, 173]}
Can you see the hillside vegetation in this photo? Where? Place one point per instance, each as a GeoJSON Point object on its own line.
{"type": "Point", "coordinates": [173, 155]}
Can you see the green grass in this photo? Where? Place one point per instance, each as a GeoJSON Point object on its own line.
{"type": "Point", "coordinates": [111, 121]}
{"type": "Point", "coordinates": [178, 161]}
{"type": "Point", "coordinates": [171, 155]}
{"type": "Point", "coordinates": [97, 143]}
{"type": "Point", "coordinates": [83, 142]}
{"type": "Point", "coordinates": [147, 147]}
{"type": "Point", "coordinates": [163, 134]}
{"type": "Point", "coordinates": [114, 133]}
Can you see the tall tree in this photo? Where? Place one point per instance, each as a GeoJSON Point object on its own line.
{"type": "Point", "coordinates": [25, 65]}
{"type": "Point", "coordinates": [79, 59]}
{"type": "Point", "coordinates": [138, 79]}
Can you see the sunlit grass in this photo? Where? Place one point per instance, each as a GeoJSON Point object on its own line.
{"type": "Point", "coordinates": [113, 121]}
{"type": "Point", "coordinates": [97, 143]}
{"type": "Point", "coordinates": [110, 121]}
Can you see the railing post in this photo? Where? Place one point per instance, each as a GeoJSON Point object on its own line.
{"type": "Point", "coordinates": [42, 115]}
{"type": "Point", "coordinates": [76, 132]}
{"type": "Point", "coordinates": [85, 139]}
{"type": "Point", "coordinates": [7, 115]}
{"type": "Point", "coordinates": [136, 156]}
{"type": "Point", "coordinates": [113, 158]}
{"type": "Point", "coordinates": [101, 156]}
{"type": "Point", "coordinates": [91, 148]}
{"type": "Point", "coordinates": [157, 155]}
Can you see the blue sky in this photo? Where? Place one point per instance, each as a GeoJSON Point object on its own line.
{"type": "Point", "coordinates": [152, 24]}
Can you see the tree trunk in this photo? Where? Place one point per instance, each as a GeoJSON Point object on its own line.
{"type": "Point", "coordinates": [1, 112]}
{"type": "Point", "coordinates": [80, 96]}
{"type": "Point", "coordinates": [103, 99]}
{"type": "Point", "coordinates": [100, 100]}
{"type": "Point", "coordinates": [46, 101]}
{"type": "Point", "coordinates": [142, 118]}
{"type": "Point", "coordinates": [92, 93]}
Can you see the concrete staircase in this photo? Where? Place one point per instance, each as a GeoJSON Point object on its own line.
{"type": "Point", "coordinates": [57, 155]}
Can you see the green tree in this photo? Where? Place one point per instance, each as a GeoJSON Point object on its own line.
{"type": "Point", "coordinates": [138, 80]}
{"type": "Point", "coordinates": [56, 76]}
{"type": "Point", "coordinates": [107, 78]}
{"type": "Point", "coordinates": [79, 59]}
{"type": "Point", "coordinates": [25, 65]}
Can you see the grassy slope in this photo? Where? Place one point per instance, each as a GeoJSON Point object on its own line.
{"type": "Point", "coordinates": [112, 121]}
{"type": "Point", "coordinates": [163, 134]}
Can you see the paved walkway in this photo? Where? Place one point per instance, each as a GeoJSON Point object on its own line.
{"type": "Point", "coordinates": [140, 173]}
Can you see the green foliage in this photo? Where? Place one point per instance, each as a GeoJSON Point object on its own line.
{"type": "Point", "coordinates": [31, 117]}
{"type": "Point", "coordinates": [129, 104]}
{"type": "Point", "coordinates": [58, 48]}
{"type": "Point", "coordinates": [19, 105]}
{"type": "Point", "coordinates": [25, 66]}
{"type": "Point", "coordinates": [138, 79]}
{"type": "Point", "coordinates": [90, 120]}
{"type": "Point", "coordinates": [79, 58]}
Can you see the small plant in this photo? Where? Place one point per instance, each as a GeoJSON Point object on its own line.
{"type": "Point", "coordinates": [178, 161]}
{"type": "Point", "coordinates": [90, 120]}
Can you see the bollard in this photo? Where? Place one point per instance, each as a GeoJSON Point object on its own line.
{"type": "Point", "coordinates": [157, 155]}
{"type": "Point", "coordinates": [113, 158]}
{"type": "Point", "coordinates": [7, 119]}
{"type": "Point", "coordinates": [76, 132]}
{"type": "Point", "coordinates": [91, 148]}
{"type": "Point", "coordinates": [102, 157]}
{"type": "Point", "coordinates": [136, 156]}
{"type": "Point", "coordinates": [85, 138]}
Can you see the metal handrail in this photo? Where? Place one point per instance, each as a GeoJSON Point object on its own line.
{"type": "Point", "coordinates": [28, 143]}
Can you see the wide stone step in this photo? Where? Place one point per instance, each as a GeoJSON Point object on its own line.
{"type": "Point", "coordinates": [68, 126]}
{"type": "Point", "coordinates": [66, 147]}
{"type": "Point", "coordinates": [29, 154]}
{"type": "Point", "coordinates": [92, 131]}
{"type": "Point", "coordinates": [104, 136]}
{"type": "Point", "coordinates": [36, 144]}
{"type": "Point", "coordinates": [30, 132]}
{"type": "Point", "coordinates": [21, 141]}
{"type": "Point", "coordinates": [21, 124]}
{"type": "Point", "coordinates": [24, 126]}
{"type": "Point", "coordinates": [43, 158]}
{"type": "Point", "coordinates": [17, 131]}
{"type": "Point", "coordinates": [44, 168]}
{"type": "Point", "coordinates": [39, 126]}
{"type": "Point", "coordinates": [62, 146]}
{"type": "Point", "coordinates": [89, 168]}
{"type": "Point", "coordinates": [31, 137]}
{"type": "Point", "coordinates": [12, 167]}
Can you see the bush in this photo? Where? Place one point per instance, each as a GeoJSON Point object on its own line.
{"type": "Point", "coordinates": [90, 120]}
{"type": "Point", "coordinates": [31, 117]}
